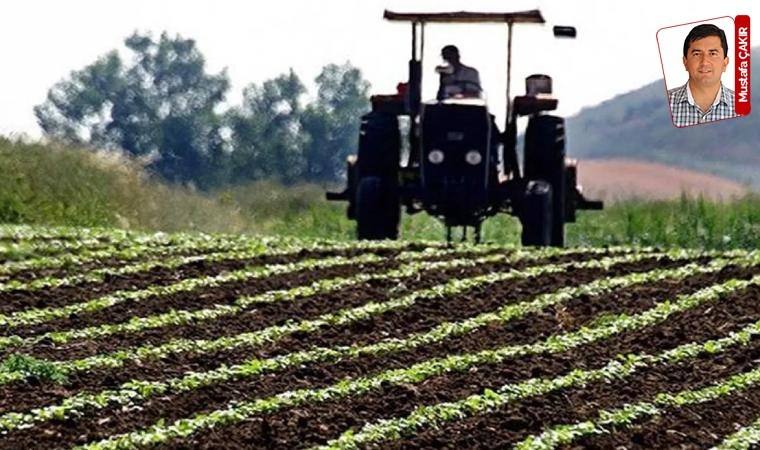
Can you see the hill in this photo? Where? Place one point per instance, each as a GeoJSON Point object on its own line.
{"type": "Point", "coordinates": [637, 126]}
{"type": "Point", "coordinates": [620, 179]}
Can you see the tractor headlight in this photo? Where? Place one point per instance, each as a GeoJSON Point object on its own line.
{"type": "Point", "coordinates": [435, 156]}
{"type": "Point", "coordinates": [473, 157]}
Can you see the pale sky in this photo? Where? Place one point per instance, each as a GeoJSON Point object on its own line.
{"type": "Point", "coordinates": [42, 41]}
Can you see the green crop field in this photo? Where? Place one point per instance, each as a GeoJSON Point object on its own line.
{"type": "Point", "coordinates": [116, 339]}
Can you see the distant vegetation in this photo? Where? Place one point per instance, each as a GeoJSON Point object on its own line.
{"type": "Point", "coordinates": [65, 186]}
{"type": "Point", "coordinates": [637, 125]}
{"type": "Point", "coordinates": [47, 184]}
{"type": "Point", "coordinates": [162, 107]}
{"type": "Point", "coordinates": [160, 153]}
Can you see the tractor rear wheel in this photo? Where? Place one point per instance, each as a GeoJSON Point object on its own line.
{"type": "Point", "coordinates": [536, 214]}
{"type": "Point", "coordinates": [545, 160]}
{"type": "Point", "coordinates": [378, 210]}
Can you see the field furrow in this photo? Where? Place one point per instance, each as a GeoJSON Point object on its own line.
{"type": "Point", "coordinates": [95, 319]}
{"type": "Point", "coordinates": [159, 245]}
{"type": "Point", "coordinates": [745, 438]}
{"type": "Point", "coordinates": [696, 425]}
{"type": "Point", "coordinates": [247, 340]}
{"type": "Point", "coordinates": [562, 390]}
{"type": "Point", "coordinates": [115, 339]}
{"type": "Point", "coordinates": [225, 373]}
{"type": "Point", "coordinates": [431, 368]}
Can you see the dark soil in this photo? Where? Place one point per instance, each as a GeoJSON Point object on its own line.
{"type": "Point", "coordinates": [324, 421]}
{"type": "Point", "coordinates": [517, 421]}
{"type": "Point", "coordinates": [698, 426]}
{"type": "Point", "coordinates": [225, 294]}
{"type": "Point", "coordinates": [259, 317]}
{"type": "Point", "coordinates": [109, 262]}
{"type": "Point", "coordinates": [12, 301]}
{"type": "Point", "coordinates": [314, 425]}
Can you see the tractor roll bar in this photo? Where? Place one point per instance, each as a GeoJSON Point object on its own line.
{"type": "Point", "coordinates": [533, 16]}
{"type": "Point", "coordinates": [418, 21]}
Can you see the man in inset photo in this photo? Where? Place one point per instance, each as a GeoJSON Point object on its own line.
{"type": "Point", "coordinates": [703, 98]}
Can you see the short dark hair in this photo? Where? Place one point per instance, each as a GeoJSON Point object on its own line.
{"type": "Point", "coordinates": [703, 31]}
{"type": "Point", "coordinates": [450, 49]}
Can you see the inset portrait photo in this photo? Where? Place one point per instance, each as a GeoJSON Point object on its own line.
{"type": "Point", "coordinates": [698, 66]}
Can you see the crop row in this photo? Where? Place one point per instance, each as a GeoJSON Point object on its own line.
{"type": "Point", "coordinates": [222, 250]}
{"type": "Point", "coordinates": [33, 243]}
{"type": "Point", "coordinates": [136, 390]}
{"type": "Point", "coordinates": [744, 439]}
{"type": "Point", "coordinates": [40, 315]}
{"type": "Point", "coordinates": [617, 369]}
{"type": "Point", "coordinates": [100, 275]}
{"type": "Point", "coordinates": [322, 286]}
{"type": "Point", "coordinates": [152, 245]}
{"type": "Point", "coordinates": [132, 391]}
{"type": "Point", "coordinates": [13, 251]}
{"type": "Point", "coordinates": [621, 417]}
{"type": "Point", "coordinates": [417, 373]}
{"type": "Point", "coordinates": [183, 317]}
{"type": "Point", "coordinates": [34, 232]}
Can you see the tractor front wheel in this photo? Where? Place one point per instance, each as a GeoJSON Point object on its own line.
{"type": "Point", "coordinates": [536, 214]}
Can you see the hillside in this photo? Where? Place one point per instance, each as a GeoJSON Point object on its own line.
{"type": "Point", "coordinates": [637, 125]}
{"type": "Point", "coordinates": [620, 179]}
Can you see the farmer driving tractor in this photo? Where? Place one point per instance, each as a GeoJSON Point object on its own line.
{"type": "Point", "coordinates": [457, 79]}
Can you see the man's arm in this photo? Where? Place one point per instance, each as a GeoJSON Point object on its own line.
{"type": "Point", "coordinates": [441, 89]}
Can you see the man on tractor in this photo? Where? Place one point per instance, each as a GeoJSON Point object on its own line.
{"type": "Point", "coordinates": [457, 79]}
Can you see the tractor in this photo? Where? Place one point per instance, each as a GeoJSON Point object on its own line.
{"type": "Point", "coordinates": [457, 165]}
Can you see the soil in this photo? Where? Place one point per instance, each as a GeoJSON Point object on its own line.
{"type": "Point", "coordinates": [257, 318]}
{"type": "Point", "coordinates": [315, 424]}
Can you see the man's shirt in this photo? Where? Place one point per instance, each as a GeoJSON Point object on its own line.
{"type": "Point", "coordinates": [686, 111]}
{"type": "Point", "coordinates": [465, 80]}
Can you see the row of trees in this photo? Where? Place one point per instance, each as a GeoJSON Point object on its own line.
{"type": "Point", "coordinates": [163, 107]}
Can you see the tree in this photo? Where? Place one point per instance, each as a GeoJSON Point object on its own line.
{"type": "Point", "coordinates": [267, 135]}
{"type": "Point", "coordinates": [274, 136]}
{"type": "Point", "coordinates": [161, 106]}
{"type": "Point", "coordinates": [332, 122]}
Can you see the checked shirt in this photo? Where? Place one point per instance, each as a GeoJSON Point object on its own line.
{"type": "Point", "coordinates": [686, 112]}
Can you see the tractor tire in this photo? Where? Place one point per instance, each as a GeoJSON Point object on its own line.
{"type": "Point", "coordinates": [378, 210]}
{"type": "Point", "coordinates": [545, 160]}
{"type": "Point", "coordinates": [379, 145]}
{"type": "Point", "coordinates": [536, 214]}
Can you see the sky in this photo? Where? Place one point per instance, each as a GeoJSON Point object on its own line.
{"type": "Point", "coordinates": [43, 41]}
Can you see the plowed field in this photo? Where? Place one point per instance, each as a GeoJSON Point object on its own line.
{"type": "Point", "coordinates": [112, 340]}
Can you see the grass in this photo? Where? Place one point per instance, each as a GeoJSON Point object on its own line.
{"type": "Point", "coordinates": [52, 185]}
{"type": "Point", "coordinates": [686, 222]}
{"type": "Point", "coordinates": [49, 184]}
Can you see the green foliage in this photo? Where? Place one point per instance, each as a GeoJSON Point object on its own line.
{"type": "Point", "coordinates": [48, 184]}
{"type": "Point", "coordinates": [33, 369]}
{"type": "Point", "coordinates": [332, 122]}
{"type": "Point", "coordinates": [163, 107]}
{"type": "Point", "coordinates": [266, 131]}
{"type": "Point", "coordinates": [686, 222]}
{"type": "Point", "coordinates": [275, 136]}
{"type": "Point", "coordinates": [160, 107]}
{"type": "Point", "coordinates": [57, 185]}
